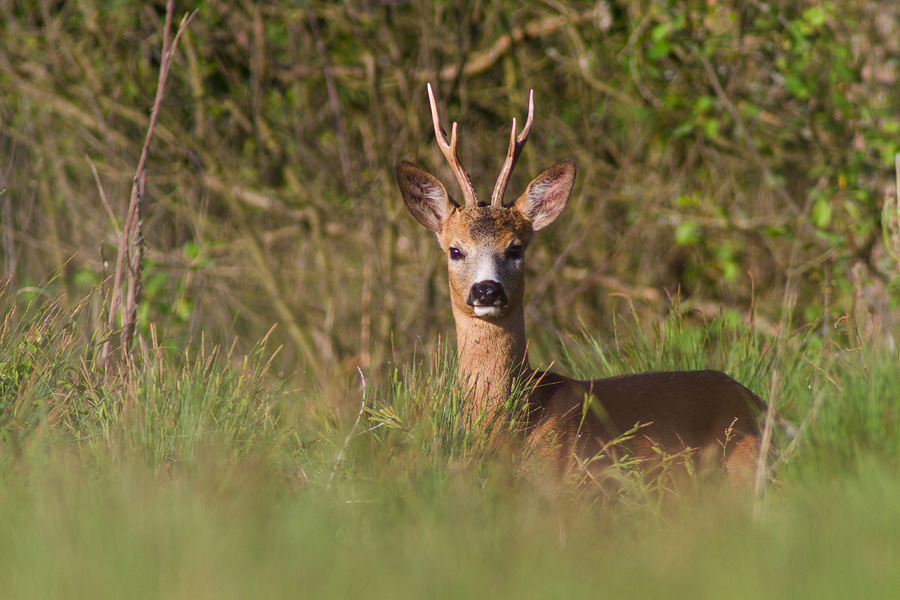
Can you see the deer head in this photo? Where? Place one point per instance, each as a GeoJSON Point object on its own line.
{"type": "Point", "coordinates": [485, 243]}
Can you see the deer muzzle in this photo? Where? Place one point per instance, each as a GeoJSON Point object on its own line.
{"type": "Point", "coordinates": [487, 298]}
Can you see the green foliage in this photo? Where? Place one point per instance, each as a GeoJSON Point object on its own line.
{"type": "Point", "coordinates": [714, 139]}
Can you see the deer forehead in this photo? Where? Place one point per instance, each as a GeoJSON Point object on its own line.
{"type": "Point", "coordinates": [498, 227]}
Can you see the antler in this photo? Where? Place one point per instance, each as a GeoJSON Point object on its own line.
{"type": "Point", "coordinates": [512, 155]}
{"type": "Point", "coordinates": [449, 151]}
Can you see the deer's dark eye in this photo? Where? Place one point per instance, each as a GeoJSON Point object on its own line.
{"type": "Point", "coordinates": [514, 252]}
{"type": "Point", "coordinates": [456, 254]}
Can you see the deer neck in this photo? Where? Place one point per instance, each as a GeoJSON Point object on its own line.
{"type": "Point", "coordinates": [493, 356]}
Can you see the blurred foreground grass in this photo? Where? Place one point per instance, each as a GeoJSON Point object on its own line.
{"type": "Point", "coordinates": [71, 532]}
{"type": "Point", "coordinates": [200, 475]}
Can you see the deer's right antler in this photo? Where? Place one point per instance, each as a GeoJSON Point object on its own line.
{"type": "Point", "coordinates": [448, 148]}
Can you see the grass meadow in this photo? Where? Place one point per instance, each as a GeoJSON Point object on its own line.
{"type": "Point", "coordinates": [246, 389]}
{"type": "Point", "coordinates": [196, 475]}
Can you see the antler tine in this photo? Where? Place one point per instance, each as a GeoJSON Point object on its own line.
{"type": "Point", "coordinates": [512, 154]}
{"type": "Point", "coordinates": [448, 148]}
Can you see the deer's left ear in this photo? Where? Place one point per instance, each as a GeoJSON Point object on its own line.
{"type": "Point", "coordinates": [546, 196]}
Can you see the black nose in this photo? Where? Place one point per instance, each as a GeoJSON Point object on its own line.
{"type": "Point", "coordinates": [487, 293]}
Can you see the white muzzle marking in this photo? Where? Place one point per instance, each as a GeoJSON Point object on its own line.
{"type": "Point", "coordinates": [486, 270]}
{"type": "Point", "coordinates": [486, 311]}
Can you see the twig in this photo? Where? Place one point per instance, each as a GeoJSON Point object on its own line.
{"type": "Point", "coordinates": [599, 273]}
{"type": "Point", "coordinates": [272, 284]}
{"type": "Point", "coordinates": [890, 221]}
{"type": "Point", "coordinates": [168, 53]}
{"type": "Point", "coordinates": [797, 436]}
{"type": "Point", "coordinates": [131, 235]}
{"type": "Point", "coordinates": [109, 210]}
{"type": "Point", "coordinates": [477, 64]}
{"type": "Point", "coordinates": [539, 28]}
{"type": "Point", "coordinates": [763, 459]}
{"type": "Point", "coordinates": [742, 131]}
{"type": "Point", "coordinates": [9, 247]}
{"type": "Point", "coordinates": [350, 436]}
{"type": "Point", "coordinates": [333, 99]}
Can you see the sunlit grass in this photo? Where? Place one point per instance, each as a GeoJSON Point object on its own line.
{"type": "Point", "coordinates": [198, 475]}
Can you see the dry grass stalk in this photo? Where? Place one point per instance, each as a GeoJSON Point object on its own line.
{"type": "Point", "coordinates": [130, 255]}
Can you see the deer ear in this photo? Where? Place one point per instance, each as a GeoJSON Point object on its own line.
{"type": "Point", "coordinates": [546, 196]}
{"type": "Point", "coordinates": [426, 197]}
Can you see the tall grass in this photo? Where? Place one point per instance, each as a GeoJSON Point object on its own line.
{"type": "Point", "coordinates": [197, 474]}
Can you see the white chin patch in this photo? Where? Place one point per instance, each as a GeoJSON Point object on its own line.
{"type": "Point", "coordinates": [486, 311]}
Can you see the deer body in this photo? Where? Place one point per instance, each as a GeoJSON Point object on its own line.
{"type": "Point", "coordinates": [566, 422]}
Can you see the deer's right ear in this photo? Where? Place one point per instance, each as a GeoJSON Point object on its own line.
{"type": "Point", "coordinates": [426, 197]}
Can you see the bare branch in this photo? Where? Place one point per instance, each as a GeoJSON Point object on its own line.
{"type": "Point", "coordinates": [131, 236]}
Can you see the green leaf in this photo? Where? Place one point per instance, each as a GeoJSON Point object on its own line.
{"type": "Point", "coordinates": [659, 50]}
{"type": "Point", "coordinates": [796, 86]}
{"type": "Point", "coordinates": [711, 128]}
{"type": "Point", "coordinates": [86, 277]}
{"type": "Point", "coordinates": [821, 213]}
{"type": "Point", "coordinates": [155, 283]}
{"type": "Point", "coordinates": [703, 104]}
{"type": "Point", "coordinates": [815, 16]}
{"type": "Point", "coordinates": [683, 130]}
{"type": "Point", "coordinates": [686, 200]}
{"type": "Point", "coordinates": [660, 31]}
{"type": "Point", "coordinates": [191, 250]}
{"type": "Point", "coordinates": [686, 234]}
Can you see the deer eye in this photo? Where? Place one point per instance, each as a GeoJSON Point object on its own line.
{"type": "Point", "coordinates": [456, 253]}
{"type": "Point", "coordinates": [514, 252]}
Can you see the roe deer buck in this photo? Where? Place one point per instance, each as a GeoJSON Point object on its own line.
{"type": "Point", "coordinates": [566, 421]}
